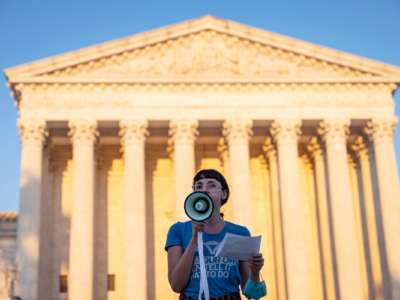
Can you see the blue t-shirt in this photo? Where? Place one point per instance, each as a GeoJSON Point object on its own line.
{"type": "Point", "coordinates": [222, 272]}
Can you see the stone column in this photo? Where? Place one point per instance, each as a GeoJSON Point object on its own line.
{"type": "Point", "coordinates": [237, 133]}
{"type": "Point", "coordinates": [285, 133]}
{"type": "Point", "coordinates": [356, 191]}
{"type": "Point", "coordinates": [223, 153]}
{"type": "Point", "coordinates": [270, 152]}
{"type": "Point", "coordinates": [316, 154]}
{"type": "Point", "coordinates": [58, 165]}
{"type": "Point", "coordinates": [47, 223]}
{"type": "Point", "coordinates": [33, 133]}
{"type": "Point", "coordinates": [80, 278]}
{"type": "Point", "coordinates": [381, 134]}
{"type": "Point", "coordinates": [183, 134]}
{"type": "Point", "coordinates": [312, 227]}
{"type": "Point", "coordinates": [133, 133]}
{"type": "Point", "coordinates": [334, 133]}
{"type": "Point", "coordinates": [100, 226]}
{"type": "Point", "coordinates": [360, 149]}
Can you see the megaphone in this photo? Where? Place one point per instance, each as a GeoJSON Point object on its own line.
{"type": "Point", "coordinates": [199, 206]}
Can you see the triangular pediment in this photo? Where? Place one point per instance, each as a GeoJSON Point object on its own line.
{"type": "Point", "coordinates": [204, 49]}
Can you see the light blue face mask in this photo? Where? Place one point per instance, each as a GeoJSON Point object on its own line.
{"type": "Point", "coordinates": [255, 290]}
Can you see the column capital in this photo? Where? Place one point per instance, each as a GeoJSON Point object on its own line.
{"type": "Point", "coordinates": [83, 131]}
{"type": "Point", "coordinates": [221, 146]}
{"type": "Point", "coordinates": [307, 161]}
{"type": "Point", "coordinates": [237, 130]}
{"type": "Point", "coordinates": [359, 146]}
{"type": "Point", "coordinates": [351, 161]}
{"type": "Point", "coordinates": [32, 131]}
{"type": "Point", "coordinates": [133, 131]}
{"type": "Point", "coordinates": [269, 147]}
{"type": "Point", "coordinates": [314, 147]}
{"type": "Point", "coordinates": [381, 129]}
{"type": "Point", "coordinates": [48, 151]}
{"type": "Point", "coordinates": [183, 130]}
{"type": "Point", "coordinates": [99, 156]}
{"type": "Point", "coordinates": [286, 130]}
{"type": "Point", "coordinates": [334, 129]}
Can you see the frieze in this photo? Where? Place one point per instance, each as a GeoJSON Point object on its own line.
{"type": "Point", "coordinates": [60, 96]}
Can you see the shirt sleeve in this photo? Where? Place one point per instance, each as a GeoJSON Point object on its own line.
{"type": "Point", "coordinates": [174, 236]}
{"type": "Point", "coordinates": [246, 231]}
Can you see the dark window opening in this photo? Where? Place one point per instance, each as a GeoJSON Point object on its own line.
{"type": "Point", "coordinates": [63, 283]}
{"type": "Point", "coordinates": [110, 282]}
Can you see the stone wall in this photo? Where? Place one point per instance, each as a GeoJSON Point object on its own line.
{"type": "Point", "coordinates": [8, 236]}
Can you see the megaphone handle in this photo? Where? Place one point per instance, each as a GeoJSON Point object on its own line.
{"type": "Point", "coordinates": [203, 272]}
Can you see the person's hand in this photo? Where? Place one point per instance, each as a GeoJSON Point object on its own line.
{"type": "Point", "coordinates": [256, 263]}
{"type": "Point", "coordinates": [197, 227]}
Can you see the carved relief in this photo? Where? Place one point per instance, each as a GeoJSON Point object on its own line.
{"type": "Point", "coordinates": [208, 53]}
{"type": "Point", "coordinates": [8, 273]}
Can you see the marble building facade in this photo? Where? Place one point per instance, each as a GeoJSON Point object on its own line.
{"type": "Point", "coordinates": [111, 136]}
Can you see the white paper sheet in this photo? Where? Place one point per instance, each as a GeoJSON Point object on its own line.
{"type": "Point", "coordinates": [239, 246]}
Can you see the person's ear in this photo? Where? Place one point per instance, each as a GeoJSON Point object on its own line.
{"type": "Point", "coordinates": [224, 195]}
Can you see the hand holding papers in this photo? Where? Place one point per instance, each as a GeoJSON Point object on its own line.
{"type": "Point", "coordinates": [239, 246]}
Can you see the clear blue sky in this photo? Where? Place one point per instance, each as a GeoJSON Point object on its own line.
{"type": "Point", "coordinates": [35, 29]}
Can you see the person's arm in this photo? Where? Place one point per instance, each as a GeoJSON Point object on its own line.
{"type": "Point", "coordinates": [180, 262]}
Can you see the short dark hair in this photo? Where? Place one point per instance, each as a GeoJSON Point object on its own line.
{"type": "Point", "coordinates": [213, 174]}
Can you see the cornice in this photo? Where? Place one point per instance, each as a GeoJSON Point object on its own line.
{"type": "Point", "coordinates": [205, 80]}
{"type": "Point", "coordinates": [226, 86]}
{"type": "Point", "coordinates": [8, 216]}
{"type": "Point", "coordinates": [140, 40]}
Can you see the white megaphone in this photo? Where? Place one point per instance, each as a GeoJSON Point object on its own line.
{"type": "Point", "coordinates": [199, 206]}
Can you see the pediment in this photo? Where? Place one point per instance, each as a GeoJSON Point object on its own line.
{"type": "Point", "coordinates": [207, 49]}
{"type": "Point", "coordinates": [207, 54]}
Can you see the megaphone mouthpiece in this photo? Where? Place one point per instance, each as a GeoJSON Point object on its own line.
{"type": "Point", "coordinates": [199, 206]}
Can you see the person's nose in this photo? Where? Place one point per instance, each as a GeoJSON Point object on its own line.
{"type": "Point", "coordinates": [203, 189]}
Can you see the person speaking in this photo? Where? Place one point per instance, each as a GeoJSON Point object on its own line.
{"type": "Point", "coordinates": [194, 270]}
